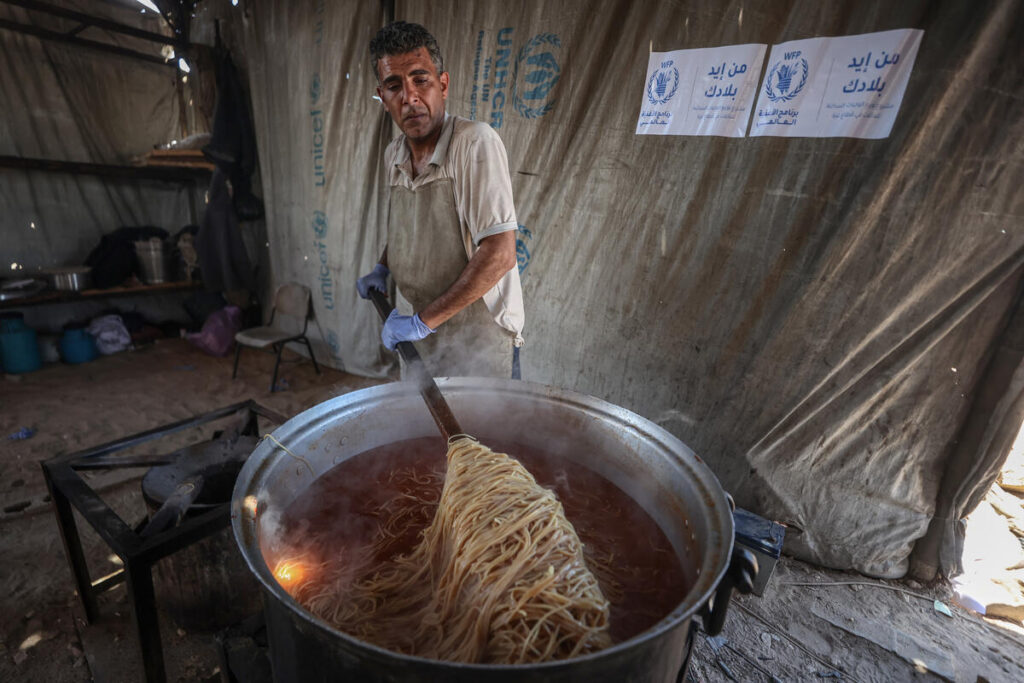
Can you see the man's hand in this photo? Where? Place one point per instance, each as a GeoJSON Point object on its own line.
{"type": "Point", "coordinates": [375, 279]}
{"type": "Point", "coordinates": [398, 328]}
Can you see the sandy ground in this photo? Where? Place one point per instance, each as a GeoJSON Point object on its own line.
{"type": "Point", "coordinates": [886, 631]}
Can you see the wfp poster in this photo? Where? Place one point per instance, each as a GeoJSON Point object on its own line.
{"type": "Point", "coordinates": [707, 91]}
{"type": "Point", "coordinates": [850, 86]}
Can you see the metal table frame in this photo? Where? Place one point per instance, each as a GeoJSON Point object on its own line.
{"type": "Point", "coordinates": [68, 490]}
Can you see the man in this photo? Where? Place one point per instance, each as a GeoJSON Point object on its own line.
{"type": "Point", "coordinates": [451, 245]}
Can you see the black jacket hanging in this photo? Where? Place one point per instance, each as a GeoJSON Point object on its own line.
{"type": "Point", "coordinates": [223, 259]}
{"type": "Point", "coordinates": [232, 145]}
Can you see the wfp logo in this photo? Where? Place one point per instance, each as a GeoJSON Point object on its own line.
{"type": "Point", "coordinates": [785, 80]}
{"type": "Point", "coordinates": [536, 74]}
{"type": "Point", "coordinates": [663, 84]}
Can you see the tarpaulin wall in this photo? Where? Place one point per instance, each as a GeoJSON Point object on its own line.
{"type": "Point", "coordinates": [812, 316]}
{"type": "Point", "coordinates": [69, 103]}
{"type": "Point", "coordinates": [320, 136]}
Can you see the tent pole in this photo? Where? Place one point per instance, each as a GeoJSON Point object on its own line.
{"type": "Point", "coordinates": [89, 20]}
{"type": "Point", "coordinates": [55, 36]}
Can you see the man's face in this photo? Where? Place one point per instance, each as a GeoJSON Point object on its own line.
{"type": "Point", "coordinates": [413, 92]}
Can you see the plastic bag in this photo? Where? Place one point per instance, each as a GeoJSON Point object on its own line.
{"type": "Point", "coordinates": [110, 333]}
{"type": "Point", "coordinates": [218, 333]}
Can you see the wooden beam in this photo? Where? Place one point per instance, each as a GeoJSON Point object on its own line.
{"type": "Point", "coordinates": [164, 173]}
{"type": "Point", "coordinates": [65, 297]}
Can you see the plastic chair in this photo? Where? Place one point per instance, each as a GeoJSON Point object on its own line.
{"type": "Point", "coordinates": [292, 300]}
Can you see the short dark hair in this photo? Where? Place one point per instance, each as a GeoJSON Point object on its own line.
{"type": "Point", "coordinates": [400, 37]}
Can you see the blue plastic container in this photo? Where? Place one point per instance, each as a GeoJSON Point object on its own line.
{"type": "Point", "coordinates": [77, 346]}
{"type": "Point", "coordinates": [18, 345]}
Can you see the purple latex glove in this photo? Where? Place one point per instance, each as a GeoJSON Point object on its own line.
{"type": "Point", "coordinates": [398, 328]}
{"type": "Point", "coordinates": [375, 279]}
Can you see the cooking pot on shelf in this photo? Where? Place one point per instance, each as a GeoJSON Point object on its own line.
{"type": "Point", "coordinates": [653, 467]}
{"type": "Point", "coordinates": [70, 279]}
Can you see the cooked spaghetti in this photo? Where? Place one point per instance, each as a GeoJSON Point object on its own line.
{"type": "Point", "coordinates": [498, 576]}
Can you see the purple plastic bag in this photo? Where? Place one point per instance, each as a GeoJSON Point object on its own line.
{"type": "Point", "coordinates": [218, 333]}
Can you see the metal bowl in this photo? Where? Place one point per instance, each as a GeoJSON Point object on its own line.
{"type": "Point", "coordinates": [20, 289]}
{"type": "Point", "coordinates": [70, 279]}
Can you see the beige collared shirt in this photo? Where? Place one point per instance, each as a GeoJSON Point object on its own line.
{"type": "Point", "coordinates": [472, 156]}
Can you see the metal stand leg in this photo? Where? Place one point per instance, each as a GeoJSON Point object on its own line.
{"type": "Point", "coordinates": [238, 352]}
{"type": "Point", "coordinates": [311, 356]}
{"type": "Point", "coordinates": [140, 586]}
{"type": "Point", "coordinates": [73, 549]}
{"type": "Point", "coordinates": [251, 427]}
{"type": "Point", "coordinates": [277, 362]}
{"type": "Point", "coordinates": [690, 646]}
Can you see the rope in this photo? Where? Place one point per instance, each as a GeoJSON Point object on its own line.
{"type": "Point", "coordinates": [285, 449]}
{"type": "Point", "coordinates": [856, 583]}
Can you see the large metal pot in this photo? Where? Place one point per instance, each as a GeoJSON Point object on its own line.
{"type": "Point", "coordinates": [652, 466]}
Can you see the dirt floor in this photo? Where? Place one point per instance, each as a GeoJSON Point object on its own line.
{"type": "Point", "coordinates": [868, 631]}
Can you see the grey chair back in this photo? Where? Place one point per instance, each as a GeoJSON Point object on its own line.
{"type": "Point", "coordinates": [292, 299]}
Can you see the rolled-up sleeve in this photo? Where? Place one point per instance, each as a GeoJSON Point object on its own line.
{"type": "Point", "coordinates": [477, 164]}
{"type": "Point", "coordinates": [483, 189]}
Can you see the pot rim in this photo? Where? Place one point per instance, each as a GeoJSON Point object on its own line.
{"type": "Point", "coordinates": [704, 586]}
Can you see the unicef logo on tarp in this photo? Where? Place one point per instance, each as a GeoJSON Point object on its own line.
{"type": "Point", "coordinates": [785, 80]}
{"type": "Point", "coordinates": [522, 251]}
{"type": "Point", "coordinates": [314, 88]}
{"type": "Point", "coordinates": [663, 85]}
{"type": "Point", "coordinates": [536, 73]}
{"type": "Point", "coordinates": [320, 223]}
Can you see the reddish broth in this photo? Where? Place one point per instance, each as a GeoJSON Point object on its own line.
{"type": "Point", "coordinates": [338, 514]}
